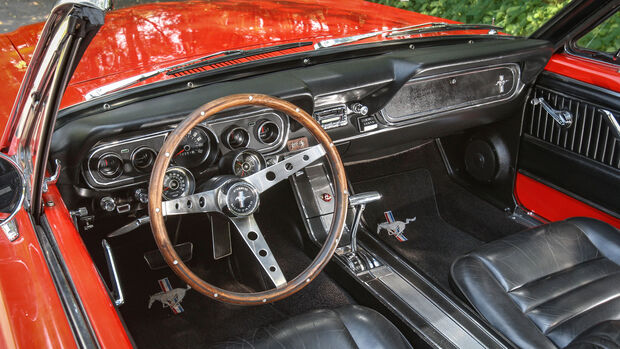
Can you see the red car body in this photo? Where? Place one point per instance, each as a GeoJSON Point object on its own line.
{"type": "Point", "coordinates": [147, 37]}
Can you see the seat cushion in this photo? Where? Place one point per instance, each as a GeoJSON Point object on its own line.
{"type": "Point", "coordinates": [545, 287]}
{"type": "Point", "coordinates": [346, 327]}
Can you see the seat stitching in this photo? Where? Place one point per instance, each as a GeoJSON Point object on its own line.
{"type": "Point", "coordinates": [551, 328]}
{"type": "Point", "coordinates": [532, 307]}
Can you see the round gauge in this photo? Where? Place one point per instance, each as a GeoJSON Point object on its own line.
{"type": "Point", "coordinates": [237, 138]}
{"type": "Point", "coordinates": [110, 165]}
{"type": "Point", "coordinates": [267, 132]}
{"type": "Point", "coordinates": [143, 158]}
{"type": "Point", "coordinates": [193, 149]}
{"type": "Point", "coordinates": [178, 182]}
{"type": "Point", "coordinates": [247, 163]}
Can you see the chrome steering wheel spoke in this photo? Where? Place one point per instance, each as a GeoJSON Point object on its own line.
{"type": "Point", "coordinates": [251, 234]}
{"type": "Point", "coordinates": [195, 203]}
{"type": "Point", "coordinates": [272, 175]}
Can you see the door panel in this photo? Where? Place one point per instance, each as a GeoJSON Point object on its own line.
{"type": "Point", "coordinates": [572, 171]}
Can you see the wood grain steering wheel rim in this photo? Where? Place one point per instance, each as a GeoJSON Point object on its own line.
{"type": "Point", "coordinates": [156, 210]}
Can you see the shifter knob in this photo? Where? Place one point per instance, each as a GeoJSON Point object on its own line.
{"type": "Point", "coordinates": [364, 198]}
{"type": "Point", "coordinates": [360, 200]}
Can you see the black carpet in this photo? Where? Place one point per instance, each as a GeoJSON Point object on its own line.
{"type": "Point", "coordinates": [205, 321]}
{"type": "Point", "coordinates": [432, 244]}
{"type": "Point", "coordinates": [457, 206]}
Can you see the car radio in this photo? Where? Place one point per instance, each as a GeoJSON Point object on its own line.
{"type": "Point", "coordinates": [331, 117]}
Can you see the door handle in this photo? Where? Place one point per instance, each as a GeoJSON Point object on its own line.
{"type": "Point", "coordinates": [563, 117]}
{"type": "Point", "coordinates": [612, 122]}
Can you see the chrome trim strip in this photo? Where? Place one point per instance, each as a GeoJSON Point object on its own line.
{"type": "Point", "coordinates": [77, 316]}
{"type": "Point", "coordinates": [425, 307]}
{"type": "Point", "coordinates": [119, 297]}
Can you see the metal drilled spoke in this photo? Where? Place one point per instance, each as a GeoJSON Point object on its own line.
{"type": "Point", "coordinates": [251, 234]}
{"type": "Point", "coordinates": [271, 175]}
{"type": "Point", "coordinates": [196, 203]}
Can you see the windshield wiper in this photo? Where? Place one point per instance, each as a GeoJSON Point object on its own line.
{"type": "Point", "coordinates": [214, 58]}
{"type": "Point", "coordinates": [408, 30]}
{"type": "Point", "coordinates": [121, 84]}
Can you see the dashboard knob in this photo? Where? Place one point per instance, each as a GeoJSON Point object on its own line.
{"type": "Point", "coordinates": [107, 204]}
{"type": "Point", "coordinates": [141, 195]}
{"type": "Point", "coordinates": [359, 108]}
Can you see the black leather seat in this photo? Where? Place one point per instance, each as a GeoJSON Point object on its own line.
{"type": "Point", "coordinates": [557, 285]}
{"type": "Point", "coordinates": [347, 327]}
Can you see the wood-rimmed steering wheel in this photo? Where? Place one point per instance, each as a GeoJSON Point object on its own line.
{"type": "Point", "coordinates": [238, 198]}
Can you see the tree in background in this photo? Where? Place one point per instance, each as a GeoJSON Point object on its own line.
{"type": "Point", "coordinates": [517, 17]}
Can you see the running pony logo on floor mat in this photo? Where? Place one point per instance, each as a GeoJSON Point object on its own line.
{"type": "Point", "coordinates": [168, 296]}
{"type": "Point", "coordinates": [394, 227]}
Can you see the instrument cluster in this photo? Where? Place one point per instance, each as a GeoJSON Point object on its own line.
{"type": "Point", "coordinates": [234, 144]}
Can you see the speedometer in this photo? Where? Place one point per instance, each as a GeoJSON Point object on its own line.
{"type": "Point", "coordinates": [193, 149]}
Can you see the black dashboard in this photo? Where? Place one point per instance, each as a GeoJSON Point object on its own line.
{"type": "Point", "coordinates": [366, 103]}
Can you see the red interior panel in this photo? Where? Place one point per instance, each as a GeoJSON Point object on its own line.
{"type": "Point", "coordinates": [554, 205]}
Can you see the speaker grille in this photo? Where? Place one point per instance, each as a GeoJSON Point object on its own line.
{"type": "Point", "coordinates": [589, 135]}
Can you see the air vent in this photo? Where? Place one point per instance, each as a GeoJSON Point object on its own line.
{"type": "Point", "coordinates": [589, 135]}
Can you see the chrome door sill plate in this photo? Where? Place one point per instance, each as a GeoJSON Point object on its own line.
{"type": "Point", "coordinates": [423, 306]}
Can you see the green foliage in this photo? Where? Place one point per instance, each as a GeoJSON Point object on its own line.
{"type": "Point", "coordinates": [605, 37]}
{"type": "Point", "coordinates": [518, 17]}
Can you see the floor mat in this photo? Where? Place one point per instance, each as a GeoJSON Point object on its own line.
{"type": "Point", "coordinates": [431, 243]}
{"type": "Point", "coordinates": [458, 206]}
{"type": "Point", "coordinates": [205, 321]}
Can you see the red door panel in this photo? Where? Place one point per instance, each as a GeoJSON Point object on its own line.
{"type": "Point", "coordinates": [554, 205]}
{"type": "Point", "coordinates": [101, 312]}
{"type": "Point", "coordinates": [31, 314]}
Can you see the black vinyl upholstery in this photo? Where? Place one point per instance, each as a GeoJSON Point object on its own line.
{"type": "Point", "coordinates": [347, 327]}
{"type": "Point", "coordinates": [557, 285]}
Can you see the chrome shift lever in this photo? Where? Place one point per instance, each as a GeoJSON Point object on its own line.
{"type": "Point", "coordinates": [360, 201]}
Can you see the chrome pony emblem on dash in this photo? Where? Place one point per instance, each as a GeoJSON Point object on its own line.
{"type": "Point", "coordinates": [394, 227]}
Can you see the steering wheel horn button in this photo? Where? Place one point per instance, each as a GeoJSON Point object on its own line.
{"type": "Point", "coordinates": [242, 199]}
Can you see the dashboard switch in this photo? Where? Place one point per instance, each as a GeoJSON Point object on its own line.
{"type": "Point", "coordinates": [107, 204]}
{"type": "Point", "coordinates": [359, 108]}
{"type": "Point", "coordinates": [142, 195]}
{"type": "Point", "coordinates": [367, 123]}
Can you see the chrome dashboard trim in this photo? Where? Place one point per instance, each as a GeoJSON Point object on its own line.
{"type": "Point", "coordinates": [112, 144]}
{"type": "Point", "coordinates": [280, 120]}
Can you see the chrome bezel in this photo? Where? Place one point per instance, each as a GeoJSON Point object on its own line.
{"type": "Point", "coordinates": [260, 125]}
{"type": "Point", "coordinates": [233, 129]}
{"type": "Point", "coordinates": [22, 195]}
{"type": "Point", "coordinates": [191, 182]}
{"type": "Point", "coordinates": [251, 152]}
{"type": "Point", "coordinates": [207, 133]}
{"type": "Point", "coordinates": [121, 170]}
{"type": "Point", "coordinates": [133, 154]}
